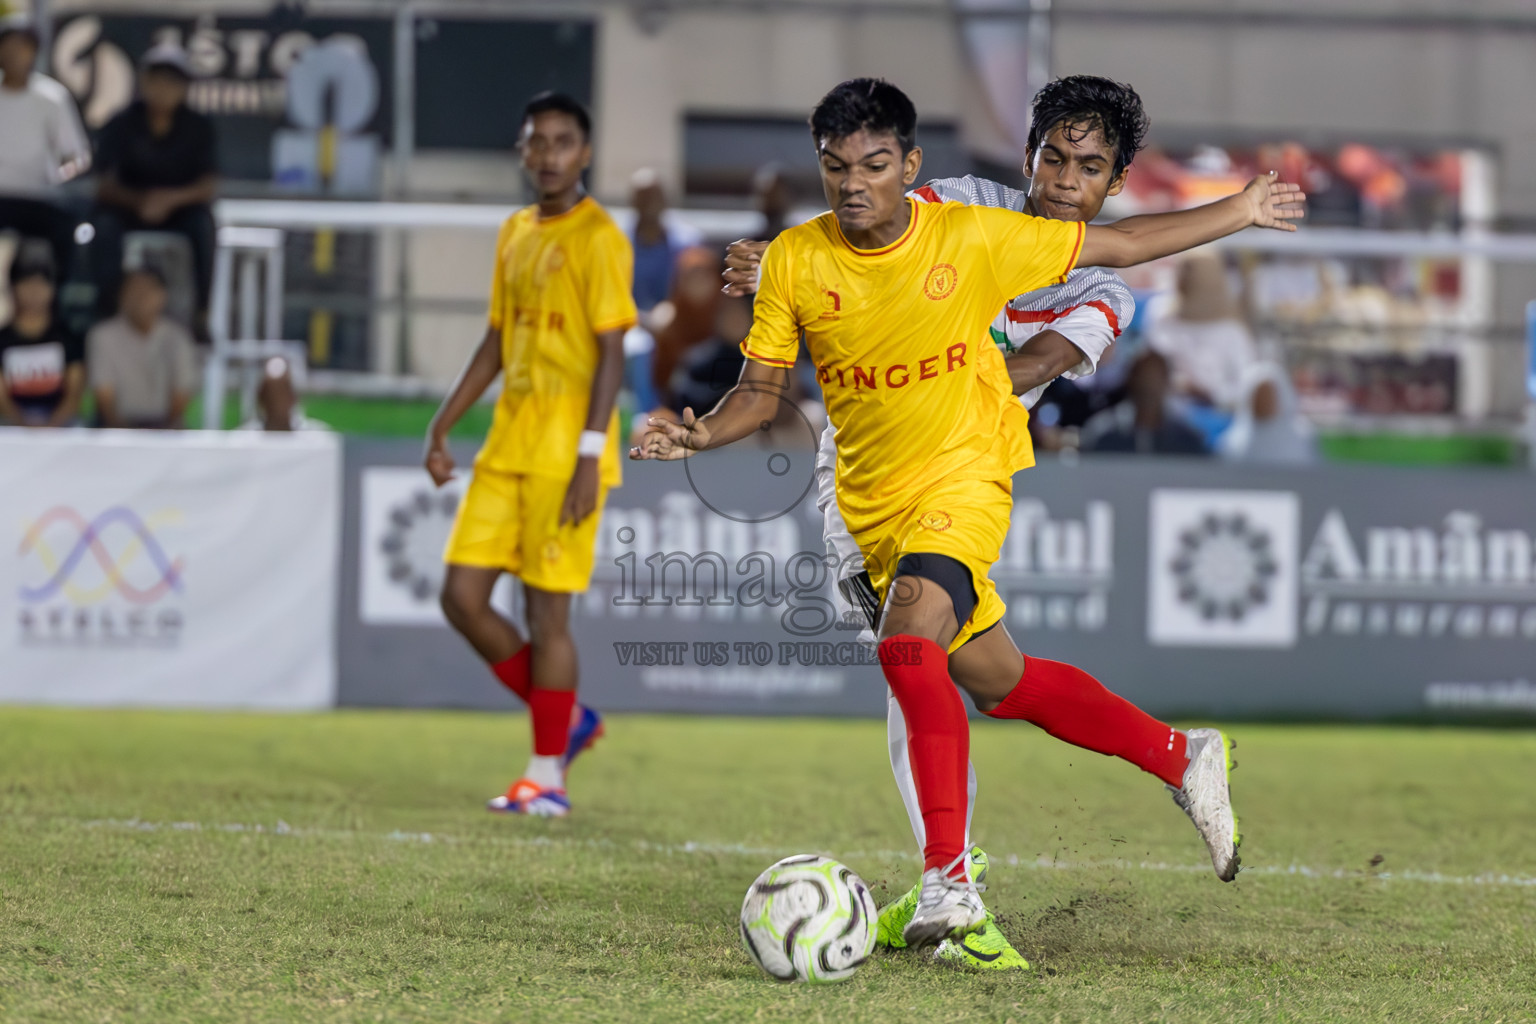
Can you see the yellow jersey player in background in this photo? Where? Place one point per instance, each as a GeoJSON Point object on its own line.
{"type": "Point", "coordinates": [895, 299]}
{"type": "Point", "coordinates": [560, 304]}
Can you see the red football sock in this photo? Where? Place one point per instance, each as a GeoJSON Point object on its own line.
{"type": "Point", "coordinates": [1071, 705]}
{"type": "Point", "coordinates": [514, 672]}
{"type": "Point", "coordinates": [551, 714]}
{"type": "Point", "coordinates": [938, 741]}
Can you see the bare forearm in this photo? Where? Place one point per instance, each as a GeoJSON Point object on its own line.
{"type": "Point", "coordinates": [1041, 360]}
{"type": "Point", "coordinates": [69, 408]}
{"type": "Point", "coordinates": [609, 378]}
{"type": "Point", "coordinates": [114, 193]}
{"type": "Point", "coordinates": [476, 376]}
{"type": "Point", "coordinates": [106, 408]}
{"type": "Point", "coordinates": [1155, 235]}
{"type": "Point", "coordinates": [746, 408]}
{"type": "Point", "coordinates": [200, 193]}
{"type": "Point", "coordinates": [179, 402]}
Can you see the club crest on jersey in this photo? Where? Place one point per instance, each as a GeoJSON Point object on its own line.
{"type": "Point", "coordinates": [831, 304]}
{"type": "Point", "coordinates": [936, 520]}
{"type": "Point", "coordinates": [940, 282]}
{"type": "Point", "coordinates": [551, 262]}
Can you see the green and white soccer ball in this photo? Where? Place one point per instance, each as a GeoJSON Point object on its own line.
{"type": "Point", "coordinates": [808, 918]}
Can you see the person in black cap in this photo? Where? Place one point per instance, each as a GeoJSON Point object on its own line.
{"type": "Point", "coordinates": [158, 173]}
{"type": "Point", "coordinates": [42, 145]}
{"type": "Point", "coordinates": [42, 364]}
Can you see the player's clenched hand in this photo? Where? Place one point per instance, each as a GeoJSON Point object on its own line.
{"type": "Point", "coordinates": [438, 460]}
{"type": "Point", "coordinates": [743, 257]}
{"type": "Point", "coordinates": [581, 495]}
{"type": "Point", "coordinates": [666, 440]}
{"type": "Point", "coordinates": [1275, 203]}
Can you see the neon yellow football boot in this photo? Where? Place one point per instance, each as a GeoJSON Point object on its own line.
{"type": "Point", "coordinates": [987, 949]}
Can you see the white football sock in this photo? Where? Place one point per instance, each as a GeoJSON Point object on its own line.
{"type": "Point", "coordinates": [546, 771]}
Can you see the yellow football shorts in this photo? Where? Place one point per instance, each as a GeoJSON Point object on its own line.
{"type": "Point", "coordinates": [966, 520]}
{"type": "Point", "coordinates": [511, 521]}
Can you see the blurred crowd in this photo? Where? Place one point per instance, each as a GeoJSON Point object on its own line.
{"type": "Point", "coordinates": [1186, 378]}
{"type": "Point", "coordinates": [109, 285]}
{"type": "Point", "coordinates": [112, 251]}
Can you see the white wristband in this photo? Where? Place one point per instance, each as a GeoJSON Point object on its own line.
{"type": "Point", "coordinates": [592, 444]}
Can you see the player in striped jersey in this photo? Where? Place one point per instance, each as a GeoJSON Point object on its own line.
{"type": "Point", "coordinates": [1085, 133]}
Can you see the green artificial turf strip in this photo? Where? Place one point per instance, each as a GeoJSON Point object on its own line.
{"type": "Point", "coordinates": [134, 884]}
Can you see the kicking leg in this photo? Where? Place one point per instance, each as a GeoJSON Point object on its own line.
{"type": "Point", "coordinates": [1073, 706]}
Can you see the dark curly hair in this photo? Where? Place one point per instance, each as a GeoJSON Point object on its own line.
{"type": "Point", "coordinates": [1087, 103]}
{"type": "Point", "coordinates": [559, 102]}
{"type": "Point", "coordinates": [871, 104]}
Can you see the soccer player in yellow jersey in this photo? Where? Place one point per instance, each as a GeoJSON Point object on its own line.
{"type": "Point", "coordinates": [560, 304]}
{"type": "Point", "coordinates": [894, 299]}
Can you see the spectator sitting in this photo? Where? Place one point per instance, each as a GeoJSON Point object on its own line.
{"type": "Point", "coordinates": [1146, 422]}
{"type": "Point", "coordinates": [43, 145]}
{"type": "Point", "coordinates": [277, 402]}
{"type": "Point", "coordinates": [158, 173]}
{"type": "Point", "coordinates": [42, 372]}
{"type": "Point", "coordinates": [1206, 342]}
{"type": "Point", "coordinates": [1267, 428]}
{"type": "Point", "coordinates": [143, 367]}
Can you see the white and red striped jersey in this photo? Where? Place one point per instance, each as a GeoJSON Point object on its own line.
{"type": "Point", "coordinates": [1089, 309]}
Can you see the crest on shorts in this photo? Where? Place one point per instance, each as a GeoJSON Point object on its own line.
{"type": "Point", "coordinates": [552, 551]}
{"type": "Point", "coordinates": [935, 520]}
{"type": "Point", "coordinates": [941, 280]}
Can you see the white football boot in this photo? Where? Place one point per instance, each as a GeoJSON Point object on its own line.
{"type": "Point", "coordinates": [1206, 797]}
{"type": "Point", "coordinates": [947, 908]}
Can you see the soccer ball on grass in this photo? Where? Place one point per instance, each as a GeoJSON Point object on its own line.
{"type": "Point", "coordinates": [808, 918]}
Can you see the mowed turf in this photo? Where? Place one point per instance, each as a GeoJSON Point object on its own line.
{"type": "Point", "coordinates": [338, 867]}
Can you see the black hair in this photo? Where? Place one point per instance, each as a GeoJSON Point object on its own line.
{"type": "Point", "coordinates": [150, 269]}
{"type": "Point", "coordinates": [560, 102]}
{"type": "Point", "coordinates": [1087, 103]}
{"type": "Point", "coordinates": [870, 104]}
{"type": "Point", "coordinates": [34, 258]}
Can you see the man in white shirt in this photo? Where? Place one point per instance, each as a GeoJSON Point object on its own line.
{"type": "Point", "coordinates": [44, 145]}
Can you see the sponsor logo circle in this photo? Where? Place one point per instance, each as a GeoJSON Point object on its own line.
{"type": "Point", "coordinates": [1224, 566]}
{"type": "Point", "coordinates": [941, 281]}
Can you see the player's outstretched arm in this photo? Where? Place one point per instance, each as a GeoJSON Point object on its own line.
{"type": "Point", "coordinates": [751, 405]}
{"type": "Point", "coordinates": [1265, 203]}
{"type": "Point", "coordinates": [476, 376]}
{"type": "Point", "coordinates": [1040, 360]}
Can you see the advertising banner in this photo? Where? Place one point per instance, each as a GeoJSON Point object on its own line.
{"type": "Point", "coordinates": [1192, 587]}
{"type": "Point", "coordinates": [171, 569]}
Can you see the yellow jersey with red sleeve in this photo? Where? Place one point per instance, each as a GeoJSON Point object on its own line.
{"type": "Point", "coordinates": [559, 282]}
{"type": "Point", "coordinates": [915, 389]}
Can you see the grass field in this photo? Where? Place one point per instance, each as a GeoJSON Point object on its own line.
{"type": "Point", "coordinates": [192, 867]}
